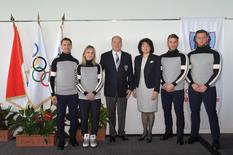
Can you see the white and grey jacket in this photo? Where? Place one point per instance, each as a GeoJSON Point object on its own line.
{"type": "Point", "coordinates": [174, 68]}
{"type": "Point", "coordinates": [205, 66]}
{"type": "Point", "coordinates": [62, 75]}
{"type": "Point", "coordinates": [89, 78]}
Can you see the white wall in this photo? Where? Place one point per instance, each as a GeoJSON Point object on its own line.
{"type": "Point", "coordinates": [115, 9]}
{"type": "Point", "coordinates": [99, 34]}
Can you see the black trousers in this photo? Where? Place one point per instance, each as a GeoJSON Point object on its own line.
{"type": "Point", "coordinates": [177, 97]}
{"type": "Point", "coordinates": [209, 100]}
{"type": "Point", "coordinates": [86, 108]}
{"type": "Point", "coordinates": [72, 102]}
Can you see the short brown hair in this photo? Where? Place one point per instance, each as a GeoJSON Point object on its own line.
{"type": "Point", "coordinates": [66, 39]}
{"type": "Point", "coordinates": [201, 31]}
{"type": "Point", "coordinates": [173, 36]}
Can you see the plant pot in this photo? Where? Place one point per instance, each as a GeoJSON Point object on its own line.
{"type": "Point", "coordinates": [101, 134]}
{"type": "Point", "coordinates": [35, 140]}
{"type": "Point", "coordinates": [99, 137]}
{"type": "Point", "coordinates": [5, 135]}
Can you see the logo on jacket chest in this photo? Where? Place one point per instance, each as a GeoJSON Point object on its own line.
{"type": "Point", "coordinates": [126, 67]}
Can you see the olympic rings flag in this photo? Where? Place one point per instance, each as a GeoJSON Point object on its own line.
{"type": "Point", "coordinates": [16, 82]}
{"type": "Point", "coordinates": [38, 87]}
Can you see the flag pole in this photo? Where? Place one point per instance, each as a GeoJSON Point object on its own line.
{"type": "Point", "coordinates": [62, 24]}
{"type": "Point", "coordinates": [63, 18]}
{"type": "Point", "coordinates": [38, 19]}
{"type": "Point", "coordinates": [12, 19]}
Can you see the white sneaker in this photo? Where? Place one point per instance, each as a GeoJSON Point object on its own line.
{"type": "Point", "coordinates": [86, 139]}
{"type": "Point", "coordinates": [93, 141]}
{"type": "Point", "coordinates": [66, 143]}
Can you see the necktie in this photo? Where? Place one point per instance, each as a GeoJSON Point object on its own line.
{"type": "Point", "coordinates": [117, 61]}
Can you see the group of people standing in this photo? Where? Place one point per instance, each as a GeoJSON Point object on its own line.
{"type": "Point", "coordinates": [76, 84]}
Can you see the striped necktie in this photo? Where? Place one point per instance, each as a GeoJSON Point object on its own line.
{"type": "Point", "coordinates": [117, 61]}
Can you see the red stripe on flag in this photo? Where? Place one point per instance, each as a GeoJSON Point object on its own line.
{"type": "Point", "coordinates": [15, 83]}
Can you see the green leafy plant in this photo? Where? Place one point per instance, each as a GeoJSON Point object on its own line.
{"type": "Point", "coordinates": [6, 117]}
{"type": "Point", "coordinates": [103, 117]}
{"type": "Point", "coordinates": [35, 122]}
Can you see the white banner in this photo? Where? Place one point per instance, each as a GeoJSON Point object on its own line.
{"type": "Point", "coordinates": [57, 48]}
{"type": "Point", "coordinates": [215, 28]}
{"type": "Point", "coordinates": [38, 88]}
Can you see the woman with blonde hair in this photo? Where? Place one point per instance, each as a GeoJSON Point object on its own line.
{"type": "Point", "coordinates": [89, 83]}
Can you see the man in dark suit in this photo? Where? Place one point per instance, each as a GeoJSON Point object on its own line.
{"type": "Point", "coordinates": [118, 85]}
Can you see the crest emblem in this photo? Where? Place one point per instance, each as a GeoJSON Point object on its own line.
{"type": "Point", "coordinates": [126, 67]}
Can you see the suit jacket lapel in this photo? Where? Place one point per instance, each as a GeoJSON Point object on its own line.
{"type": "Point", "coordinates": [147, 61]}
{"type": "Point", "coordinates": [139, 65]}
{"type": "Point", "coordinates": [122, 59]}
{"type": "Point", "coordinates": [112, 61]}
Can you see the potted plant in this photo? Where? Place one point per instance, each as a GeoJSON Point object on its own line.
{"type": "Point", "coordinates": [103, 120]}
{"type": "Point", "coordinates": [37, 127]}
{"type": "Point", "coordinates": [6, 117]}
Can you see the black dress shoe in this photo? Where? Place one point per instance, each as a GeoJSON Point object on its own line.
{"type": "Point", "coordinates": [192, 140]}
{"type": "Point", "coordinates": [180, 141]}
{"type": "Point", "coordinates": [123, 137]}
{"type": "Point", "coordinates": [149, 139]}
{"type": "Point", "coordinates": [60, 147]}
{"type": "Point", "coordinates": [142, 137]}
{"type": "Point", "coordinates": [166, 136]}
{"type": "Point", "coordinates": [112, 139]}
{"type": "Point", "coordinates": [74, 143]}
{"type": "Point", "coordinates": [216, 145]}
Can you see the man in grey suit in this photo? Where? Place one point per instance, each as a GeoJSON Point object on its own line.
{"type": "Point", "coordinates": [118, 85]}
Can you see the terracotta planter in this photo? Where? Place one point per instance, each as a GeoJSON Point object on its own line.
{"type": "Point", "coordinates": [100, 135]}
{"type": "Point", "coordinates": [5, 135]}
{"type": "Point", "coordinates": [34, 140]}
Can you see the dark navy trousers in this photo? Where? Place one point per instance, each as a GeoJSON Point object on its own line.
{"type": "Point", "coordinates": [89, 108]}
{"type": "Point", "coordinates": [72, 102]}
{"type": "Point", "coordinates": [209, 100]}
{"type": "Point", "coordinates": [176, 97]}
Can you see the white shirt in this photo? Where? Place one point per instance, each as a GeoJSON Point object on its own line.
{"type": "Point", "coordinates": [114, 56]}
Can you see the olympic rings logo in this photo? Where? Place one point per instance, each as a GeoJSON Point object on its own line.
{"type": "Point", "coordinates": [39, 69]}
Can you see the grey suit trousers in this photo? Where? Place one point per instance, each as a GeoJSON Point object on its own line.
{"type": "Point", "coordinates": [119, 103]}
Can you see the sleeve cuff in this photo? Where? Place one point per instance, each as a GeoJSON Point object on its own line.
{"type": "Point", "coordinates": [94, 92]}
{"type": "Point", "coordinates": [156, 89]}
{"type": "Point", "coordinates": [207, 85]}
{"type": "Point", "coordinates": [85, 93]}
{"type": "Point", "coordinates": [174, 84]}
{"type": "Point", "coordinates": [162, 83]}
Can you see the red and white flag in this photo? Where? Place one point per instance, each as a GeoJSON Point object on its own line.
{"type": "Point", "coordinates": [16, 82]}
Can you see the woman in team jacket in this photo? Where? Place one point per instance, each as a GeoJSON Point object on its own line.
{"type": "Point", "coordinates": [89, 83]}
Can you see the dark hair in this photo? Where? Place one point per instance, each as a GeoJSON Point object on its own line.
{"type": "Point", "coordinates": [201, 31]}
{"type": "Point", "coordinates": [149, 42]}
{"type": "Point", "coordinates": [66, 39]}
{"type": "Point", "coordinates": [173, 36]}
